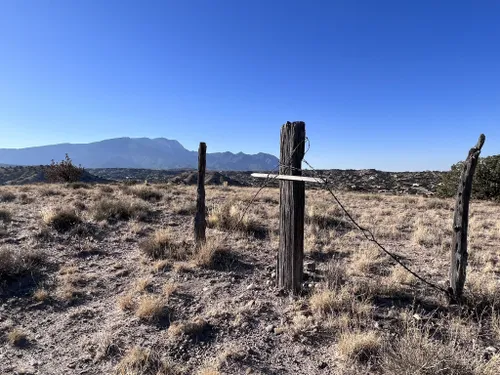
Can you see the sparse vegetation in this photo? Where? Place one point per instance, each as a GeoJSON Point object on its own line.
{"type": "Point", "coordinates": [113, 209]}
{"type": "Point", "coordinates": [63, 171]}
{"type": "Point", "coordinates": [17, 337]}
{"type": "Point", "coordinates": [61, 220]}
{"type": "Point", "coordinates": [146, 284]}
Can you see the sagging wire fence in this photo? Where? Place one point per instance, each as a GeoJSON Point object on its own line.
{"type": "Point", "coordinates": [327, 186]}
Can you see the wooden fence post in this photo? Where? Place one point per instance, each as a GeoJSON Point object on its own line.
{"type": "Point", "coordinates": [461, 222]}
{"type": "Point", "coordinates": [199, 220]}
{"type": "Point", "coordinates": [289, 267]}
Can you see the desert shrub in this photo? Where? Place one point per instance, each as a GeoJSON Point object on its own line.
{"type": "Point", "coordinates": [140, 361]}
{"type": "Point", "coordinates": [486, 183]}
{"type": "Point", "coordinates": [15, 262]}
{"type": "Point", "coordinates": [231, 217]}
{"type": "Point", "coordinates": [418, 352]}
{"type": "Point", "coordinates": [78, 185]}
{"type": "Point", "coordinates": [146, 193]}
{"type": "Point", "coordinates": [61, 220]}
{"type": "Point", "coordinates": [63, 171]}
{"type": "Point", "coordinates": [7, 196]}
{"type": "Point", "coordinates": [161, 246]}
{"type": "Point", "coordinates": [212, 255]}
{"type": "Point", "coordinates": [113, 210]}
{"type": "Point", "coordinates": [5, 216]}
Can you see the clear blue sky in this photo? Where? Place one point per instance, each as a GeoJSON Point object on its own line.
{"type": "Point", "coordinates": [394, 85]}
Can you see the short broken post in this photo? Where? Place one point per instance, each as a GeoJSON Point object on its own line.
{"type": "Point", "coordinates": [289, 269]}
{"type": "Point", "coordinates": [199, 220]}
{"type": "Point", "coordinates": [459, 253]}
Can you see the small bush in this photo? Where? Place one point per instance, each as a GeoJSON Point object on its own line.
{"type": "Point", "coordinates": [114, 210]}
{"type": "Point", "coordinates": [62, 221]}
{"type": "Point", "coordinates": [160, 246]}
{"type": "Point", "coordinates": [140, 361]}
{"type": "Point", "coordinates": [7, 196]}
{"type": "Point", "coordinates": [360, 346]}
{"type": "Point", "coordinates": [78, 185]}
{"type": "Point", "coordinates": [17, 337]}
{"type": "Point", "coordinates": [146, 193]}
{"type": "Point", "coordinates": [151, 308]}
{"type": "Point", "coordinates": [5, 216]}
{"type": "Point", "coordinates": [230, 217]}
{"type": "Point", "coordinates": [63, 171]}
{"type": "Point", "coordinates": [15, 262]}
{"type": "Point", "coordinates": [212, 255]}
{"type": "Point", "coordinates": [193, 328]}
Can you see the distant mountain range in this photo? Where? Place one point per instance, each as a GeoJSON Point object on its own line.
{"type": "Point", "coordinates": [146, 153]}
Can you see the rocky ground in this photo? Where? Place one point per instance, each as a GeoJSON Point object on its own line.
{"type": "Point", "coordinates": [105, 279]}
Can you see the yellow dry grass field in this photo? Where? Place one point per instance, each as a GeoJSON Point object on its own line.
{"type": "Point", "coordinates": [105, 279]}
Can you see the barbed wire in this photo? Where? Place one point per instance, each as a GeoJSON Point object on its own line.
{"type": "Point", "coordinates": [368, 234]}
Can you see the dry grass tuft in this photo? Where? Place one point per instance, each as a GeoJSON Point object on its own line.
{"type": "Point", "coordinates": [7, 196]}
{"type": "Point", "coordinates": [193, 328]}
{"type": "Point", "coordinates": [160, 246]}
{"type": "Point", "coordinates": [328, 301]}
{"type": "Point", "coordinates": [61, 220]}
{"type": "Point", "coordinates": [212, 255]}
{"type": "Point", "coordinates": [417, 352]}
{"type": "Point", "coordinates": [359, 345]}
{"type": "Point", "coordinates": [41, 295]}
{"type": "Point", "coordinates": [146, 193]}
{"type": "Point", "coordinates": [151, 308]}
{"type": "Point", "coordinates": [116, 210]}
{"type": "Point", "coordinates": [17, 337]}
{"type": "Point", "coordinates": [5, 216]}
{"type": "Point", "coordinates": [17, 262]}
{"type": "Point", "coordinates": [228, 216]}
{"type": "Point", "coordinates": [126, 302]}
{"type": "Point", "coordinates": [169, 289]}
{"type": "Point", "coordinates": [140, 361]}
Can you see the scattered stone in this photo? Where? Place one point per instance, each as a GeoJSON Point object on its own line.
{"type": "Point", "coordinates": [270, 328]}
{"type": "Point", "coordinates": [251, 286]}
{"type": "Point", "coordinates": [273, 275]}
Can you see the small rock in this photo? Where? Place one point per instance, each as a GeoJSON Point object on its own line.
{"type": "Point", "coordinates": [250, 287]}
{"type": "Point", "coordinates": [244, 325]}
{"type": "Point", "coordinates": [269, 282]}
{"type": "Point", "coordinates": [270, 328]}
{"type": "Point", "coordinates": [205, 289]}
{"type": "Point", "coordinates": [273, 275]}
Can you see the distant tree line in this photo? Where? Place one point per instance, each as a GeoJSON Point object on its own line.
{"type": "Point", "coordinates": [486, 184]}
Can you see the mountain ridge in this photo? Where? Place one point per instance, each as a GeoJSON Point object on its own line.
{"type": "Point", "coordinates": [143, 153]}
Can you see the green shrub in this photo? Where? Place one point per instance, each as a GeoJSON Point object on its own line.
{"type": "Point", "coordinates": [63, 171]}
{"type": "Point", "coordinates": [486, 183]}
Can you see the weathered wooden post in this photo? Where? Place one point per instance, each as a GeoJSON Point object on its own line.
{"type": "Point", "coordinates": [199, 220]}
{"type": "Point", "coordinates": [461, 222]}
{"type": "Point", "coordinates": [289, 267]}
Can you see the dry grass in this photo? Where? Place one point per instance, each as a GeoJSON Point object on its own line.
{"type": "Point", "coordinates": [212, 255]}
{"type": "Point", "coordinates": [41, 295]}
{"type": "Point", "coordinates": [146, 193]}
{"type": "Point", "coordinates": [359, 345]}
{"type": "Point", "coordinates": [140, 361]}
{"type": "Point", "coordinates": [229, 216]}
{"type": "Point", "coordinates": [16, 262]}
{"type": "Point", "coordinates": [7, 196]}
{"type": "Point", "coordinates": [123, 209]}
{"type": "Point", "coordinates": [151, 308]}
{"type": "Point", "coordinates": [192, 328]}
{"type": "Point", "coordinates": [5, 216]}
{"type": "Point", "coordinates": [161, 246]}
{"type": "Point", "coordinates": [61, 220]}
{"type": "Point", "coordinates": [17, 337]}
{"type": "Point", "coordinates": [126, 302]}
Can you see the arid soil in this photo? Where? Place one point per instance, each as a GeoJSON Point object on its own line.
{"type": "Point", "coordinates": [105, 279]}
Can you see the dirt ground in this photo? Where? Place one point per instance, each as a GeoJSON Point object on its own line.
{"type": "Point", "coordinates": [105, 279]}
